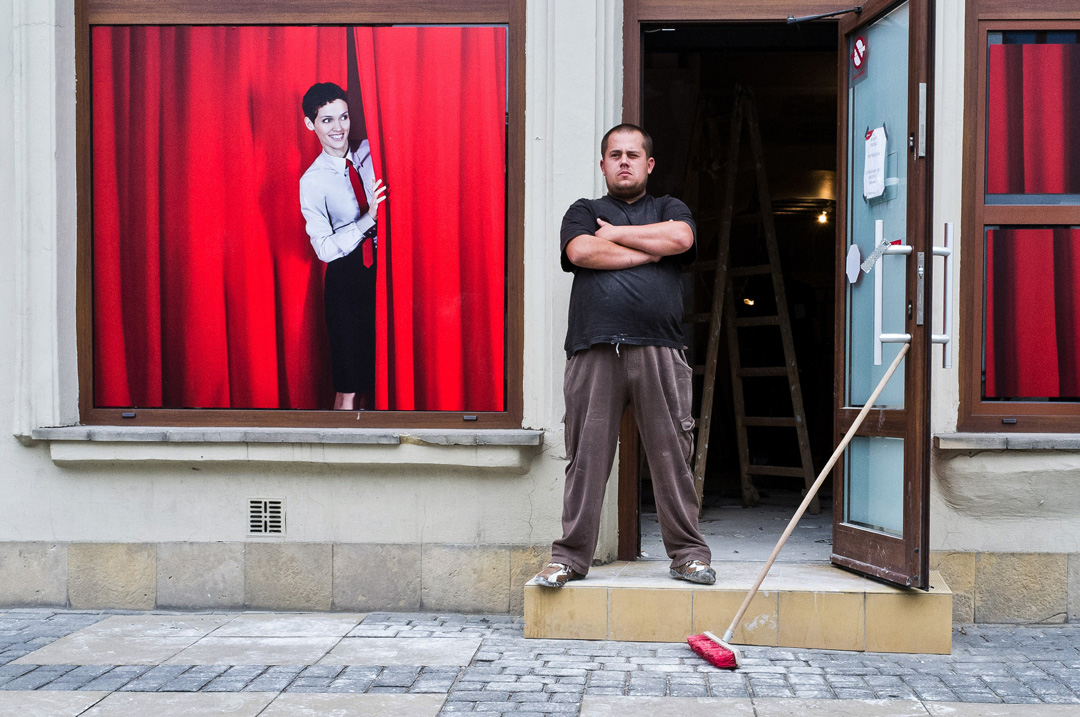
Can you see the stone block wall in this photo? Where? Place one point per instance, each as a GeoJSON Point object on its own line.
{"type": "Point", "coordinates": [269, 576]}
{"type": "Point", "coordinates": [987, 587]}
{"type": "Point", "coordinates": [1021, 588]}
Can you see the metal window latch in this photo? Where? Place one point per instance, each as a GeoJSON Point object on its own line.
{"type": "Point", "coordinates": [920, 287]}
{"type": "Point", "coordinates": [922, 120]}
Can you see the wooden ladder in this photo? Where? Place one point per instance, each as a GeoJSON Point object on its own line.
{"type": "Point", "coordinates": [723, 300]}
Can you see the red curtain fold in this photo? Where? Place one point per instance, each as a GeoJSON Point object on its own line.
{"type": "Point", "coordinates": [1033, 119]}
{"type": "Point", "coordinates": [1032, 348]}
{"type": "Point", "coordinates": [206, 290]}
{"type": "Point", "coordinates": [435, 109]}
{"type": "Point", "coordinates": [1032, 313]}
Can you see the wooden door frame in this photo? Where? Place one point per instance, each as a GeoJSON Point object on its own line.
{"type": "Point", "coordinates": [915, 428]}
{"type": "Point", "coordinates": [635, 14]}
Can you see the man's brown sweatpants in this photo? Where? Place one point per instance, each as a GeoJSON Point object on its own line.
{"type": "Point", "coordinates": [598, 384]}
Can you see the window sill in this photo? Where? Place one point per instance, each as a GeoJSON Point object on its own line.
{"type": "Point", "coordinates": [498, 449]}
{"type": "Point", "coordinates": [1007, 441]}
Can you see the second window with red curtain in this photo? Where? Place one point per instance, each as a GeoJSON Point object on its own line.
{"type": "Point", "coordinates": [1031, 270]}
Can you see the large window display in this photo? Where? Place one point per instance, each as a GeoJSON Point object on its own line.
{"type": "Point", "coordinates": [211, 266]}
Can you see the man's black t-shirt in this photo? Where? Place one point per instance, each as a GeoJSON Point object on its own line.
{"type": "Point", "coordinates": [642, 305]}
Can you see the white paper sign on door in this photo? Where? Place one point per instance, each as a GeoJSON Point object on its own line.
{"type": "Point", "coordinates": [874, 167]}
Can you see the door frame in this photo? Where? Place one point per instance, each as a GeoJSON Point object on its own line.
{"type": "Point", "coordinates": [635, 14]}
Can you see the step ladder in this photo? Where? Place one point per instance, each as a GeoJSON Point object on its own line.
{"type": "Point", "coordinates": [723, 301]}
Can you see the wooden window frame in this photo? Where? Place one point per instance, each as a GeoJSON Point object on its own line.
{"type": "Point", "coordinates": [329, 12]}
{"type": "Point", "coordinates": [984, 16]}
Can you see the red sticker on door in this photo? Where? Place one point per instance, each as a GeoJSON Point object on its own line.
{"type": "Point", "coordinates": [858, 52]}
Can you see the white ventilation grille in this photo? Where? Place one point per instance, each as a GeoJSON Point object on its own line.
{"type": "Point", "coordinates": [266, 517]}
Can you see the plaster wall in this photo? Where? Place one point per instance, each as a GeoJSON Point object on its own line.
{"type": "Point", "coordinates": [573, 93]}
{"type": "Point", "coordinates": [1019, 501]}
{"type": "Point", "coordinates": [948, 148]}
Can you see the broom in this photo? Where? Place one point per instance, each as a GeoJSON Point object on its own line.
{"type": "Point", "coordinates": [720, 652]}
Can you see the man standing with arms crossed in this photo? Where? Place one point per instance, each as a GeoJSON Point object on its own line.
{"type": "Point", "coordinates": [624, 345]}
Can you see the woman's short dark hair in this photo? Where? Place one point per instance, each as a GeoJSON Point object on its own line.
{"type": "Point", "coordinates": [319, 94]}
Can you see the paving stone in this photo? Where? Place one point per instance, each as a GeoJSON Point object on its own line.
{"type": "Point", "coordinates": [477, 696]}
{"type": "Point", "coordinates": [533, 698]}
{"type": "Point", "coordinates": [359, 672]}
{"type": "Point", "coordinates": [607, 679]}
{"type": "Point", "coordinates": [37, 678]}
{"type": "Point", "coordinates": [155, 677]}
{"type": "Point", "coordinates": [977, 696]}
{"type": "Point", "coordinates": [771, 689]}
{"type": "Point", "coordinates": [396, 677]}
{"type": "Point", "coordinates": [432, 685]}
{"type": "Point", "coordinates": [10, 672]}
{"type": "Point", "coordinates": [275, 679]}
{"type": "Point", "coordinates": [688, 690]}
{"type": "Point", "coordinates": [571, 688]}
{"type": "Point", "coordinates": [78, 677]}
{"type": "Point", "coordinates": [804, 679]}
{"type": "Point", "coordinates": [115, 678]}
{"type": "Point", "coordinates": [845, 693]}
{"type": "Point", "coordinates": [309, 684]}
{"type": "Point", "coordinates": [605, 691]}
{"type": "Point", "coordinates": [511, 675]}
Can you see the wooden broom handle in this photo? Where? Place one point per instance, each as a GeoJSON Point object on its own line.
{"type": "Point", "coordinates": [814, 489]}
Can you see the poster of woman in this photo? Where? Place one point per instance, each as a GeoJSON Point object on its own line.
{"type": "Point", "coordinates": [210, 289]}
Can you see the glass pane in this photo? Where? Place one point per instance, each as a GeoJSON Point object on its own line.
{"type": "Point", "coordinates": [1031, 323]}
{"type": "Point", "coordinates": [875, 484]}
{"type": "Point", "coordinates": [236, 266]}
{"type": "Point", "coordinates": [1033, 118]}
{"type": "Point", "coordinates": [877, 98]}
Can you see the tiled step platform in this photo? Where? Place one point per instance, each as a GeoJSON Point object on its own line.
{"type": "Point", "coordinates": [815, 605]}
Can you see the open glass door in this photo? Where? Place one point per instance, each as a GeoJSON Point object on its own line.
{"type": "Point", "coordinates": [881, 486]}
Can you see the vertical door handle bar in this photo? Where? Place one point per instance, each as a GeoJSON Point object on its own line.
{"type": "Point", "coordinates": [879, 290]}
{"type": "Point", "coordinates": [945, 338]}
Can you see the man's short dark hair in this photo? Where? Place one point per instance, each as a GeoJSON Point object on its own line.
{"type": "Point", "coordinates": [627, 127]}
{"type": "Point", "coordinates": [320, 94]}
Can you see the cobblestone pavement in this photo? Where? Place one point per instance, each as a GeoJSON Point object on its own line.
{"type": "Point", "coordinates": [510, 674]}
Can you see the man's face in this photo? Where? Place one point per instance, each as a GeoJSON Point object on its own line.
{"type": "Point", "coordinates": [331, 126]}
{"type": "Point", "coordinates": [625, 166]}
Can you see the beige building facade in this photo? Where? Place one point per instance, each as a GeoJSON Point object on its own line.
{"type": "Point", "coordinates": [429, 518]}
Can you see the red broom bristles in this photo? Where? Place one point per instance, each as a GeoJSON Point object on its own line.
{"type": "Point", "coordinates": [712, 652]}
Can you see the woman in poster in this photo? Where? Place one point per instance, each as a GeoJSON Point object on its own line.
{"type": "Point", "coordinates": [340, 198]}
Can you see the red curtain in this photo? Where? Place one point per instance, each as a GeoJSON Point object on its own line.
{"type": "Point", "coordinates": [437, 135]}
{"type": "Point", "coordinates": [1033, 119]}
{"type": "Point", "coordinates": [206, 290]}
{"type": "Point", "coordinates": [1032, 314]}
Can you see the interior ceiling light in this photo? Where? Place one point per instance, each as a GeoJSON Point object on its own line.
{"type": "Point", "coordinates": [823, 218]}
{"type": "Point", "coordinates": [748, 302]}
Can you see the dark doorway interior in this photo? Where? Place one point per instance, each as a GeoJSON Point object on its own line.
{"type": "Point", "coordinates": [689, 83]}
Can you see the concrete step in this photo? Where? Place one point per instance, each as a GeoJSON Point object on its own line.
{"type": "Point", "coordinates": [807, 605]}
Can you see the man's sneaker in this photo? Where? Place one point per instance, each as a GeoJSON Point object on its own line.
{"type": "Point", "coordinates": [695, 571]}
{"type": "Point", "coordinates": [555, 575]}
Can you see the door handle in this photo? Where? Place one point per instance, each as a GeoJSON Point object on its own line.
{"type": "Point", "coordinates": [879, 290]}
{"type": "Point", "coordinates": [945, 338]}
